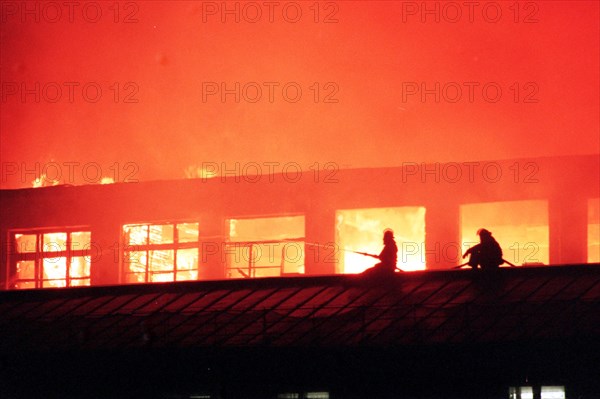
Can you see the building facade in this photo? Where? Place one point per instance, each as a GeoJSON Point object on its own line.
{"type": "Point", "coordinates": [301, 222]}
{"type": "Point", "coordinates": [245, 286]}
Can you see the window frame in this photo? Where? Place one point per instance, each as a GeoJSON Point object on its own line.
{"type": "Point", "coordinates": [38, 256]}
{"type": "Point", "coordinates": [175, 245]}
{"type": "Point", "coordinates": [250, 270]}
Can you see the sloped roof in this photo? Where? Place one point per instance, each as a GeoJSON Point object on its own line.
{"type": "Point", "coordinates": [459, 306]}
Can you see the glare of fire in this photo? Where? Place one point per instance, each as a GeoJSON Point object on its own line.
{"type": "Point", "coordinates": [266, 247]}
{"type": "Point", "coordinates": [195, 172]}
{"type": "Point", "coordinates": [53, 263]}
{"type": "Point", "coordinates": [163, 265]}
{"type": "Point", "coordinates": [43, 181]}
{"type": "Point", "coordinates": [55, 268]}
{"type": "Point", "coordinates": [362, 230]}
{"type": "Point", "coordinates": [520, 227]}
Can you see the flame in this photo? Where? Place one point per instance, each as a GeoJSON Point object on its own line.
{"type": "Point", "coordinates": [195, 172]}
{"type": "Point", "coordinates": [55, 271]}
{"type": "Point", "coordinates": [55, 268]}
{"type": "Point", "coordinates": [53, 260]}
{"type": "Point", "coordinates": [43, 181]}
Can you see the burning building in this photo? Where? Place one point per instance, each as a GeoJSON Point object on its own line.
{"type": "Point", "coordinates": [245, 285]}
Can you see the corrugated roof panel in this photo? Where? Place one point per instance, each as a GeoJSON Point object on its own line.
{"type": "Point", "coordinates": [408, 309]}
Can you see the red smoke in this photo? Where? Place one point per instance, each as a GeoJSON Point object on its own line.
{"type": "Point", "coordinates": [368, 72]}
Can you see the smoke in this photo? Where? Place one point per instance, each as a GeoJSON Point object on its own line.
{"type": "Point", "coordinates": [365, 85]}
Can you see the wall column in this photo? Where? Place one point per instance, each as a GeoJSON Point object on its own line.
{"type": "Point", "coordinates": [106, 254]}
{"type": "Point", "coordinates": [568, 230]}
{"type": "Point", "coordinates": [320, 229]}
{"type": "Point", "coordinates": [442, 236]}
{"type": "Point", "coordinates": [212, 247]}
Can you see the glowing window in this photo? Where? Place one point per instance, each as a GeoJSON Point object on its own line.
{"type": "Point", "coordinates": [160, 252]}
{"type": "Point", "coordinates": [546, 392]}
{"type": "Point", "coordinates": [304, 395]}
{"type": "Point", "coordinates": [265, 247]}
{"type": "Point", "coordinates": [593, 231]}
{"type": "Point", "coordinates": [553, 392]}
{"type": "Point", "coordinates": [520, 393]}
{"type": "Point", "coordinates": [50, 259]}
{"type": "Point", "coordinates": [361, 230]}
{"type": "Point", "coordinates": [520, 227]}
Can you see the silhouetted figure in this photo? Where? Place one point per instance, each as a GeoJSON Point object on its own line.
{"type": "Point", "coordinates": [388, 256]}
{"type": "Point", "coordinates": [487, 254]}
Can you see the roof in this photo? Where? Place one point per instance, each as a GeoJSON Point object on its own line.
{"type": "Point", "coordinates": [445, 307]}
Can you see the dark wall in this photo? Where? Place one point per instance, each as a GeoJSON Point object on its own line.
{"type": "Point", "coordinates": [435, 372]}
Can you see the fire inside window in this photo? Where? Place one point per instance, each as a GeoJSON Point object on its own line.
{"type": "Point", "coordinates": [160, 252]}
{"type": "Point", "coordinates": [50, 259]}
{"type": "Point", "coordinates": [520, 227]}
{"type": "Point", "coordinates": [361, 230]}
{"type": "Point", "coordinates": [265, 247]}
{"type": "Point", "coordinates": [593, 231]}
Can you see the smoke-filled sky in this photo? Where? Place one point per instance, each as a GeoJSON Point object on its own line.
{"type": "Point", "coordinates": [170, 86]}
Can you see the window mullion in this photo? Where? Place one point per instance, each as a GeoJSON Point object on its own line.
{"type": "Point", "coordinates": [147, 266]}
{"type": "Point", "coordinates": [39, 262]}
{"type": "Point", "coordinates": [175, 247]}
{"type": "Point", "coordinates": [68, 261]}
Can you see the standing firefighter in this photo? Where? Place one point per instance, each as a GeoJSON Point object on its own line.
{"type": "Point", "coordinates": [486, 254]}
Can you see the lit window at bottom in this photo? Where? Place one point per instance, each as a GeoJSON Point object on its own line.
{"type": "Point", "coordinates": [520, 393]}
{"type": "Point", "coordinates": [547, 392]}
{"type": "Point", "coordinates": [305, 395]}
{"type": "Point", "coordinates": [553, 392]}
{"type": "Point", "coordinates": [317, 395]}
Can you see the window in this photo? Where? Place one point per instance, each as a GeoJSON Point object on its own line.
{"type": "Point", "coordinates": [593, 255]}
{"type": "Point", "coordinates": [520, 393]}
{"type": "Point", "coordinates": [49, 259]}
{"type": "Point", "coordinates": [265, 247]}
{"type": "Point", "coordinates": [553, 392]}
{"type": "Point", "coordinates": [520, 227]}
{"type": "Point", "coordinates": [303, 395]}
{"type": "Point", "coordinates": [546, 392]}
{"type": "Point", "coordinates": [317, 395]}
{"type": "Point", "coordinates": [160, 252]}
{"type": "Point", "coordinates": [362, 230]}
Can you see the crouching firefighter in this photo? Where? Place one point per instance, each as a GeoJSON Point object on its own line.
{"type": "Point", "coordinates": [487, 254]}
